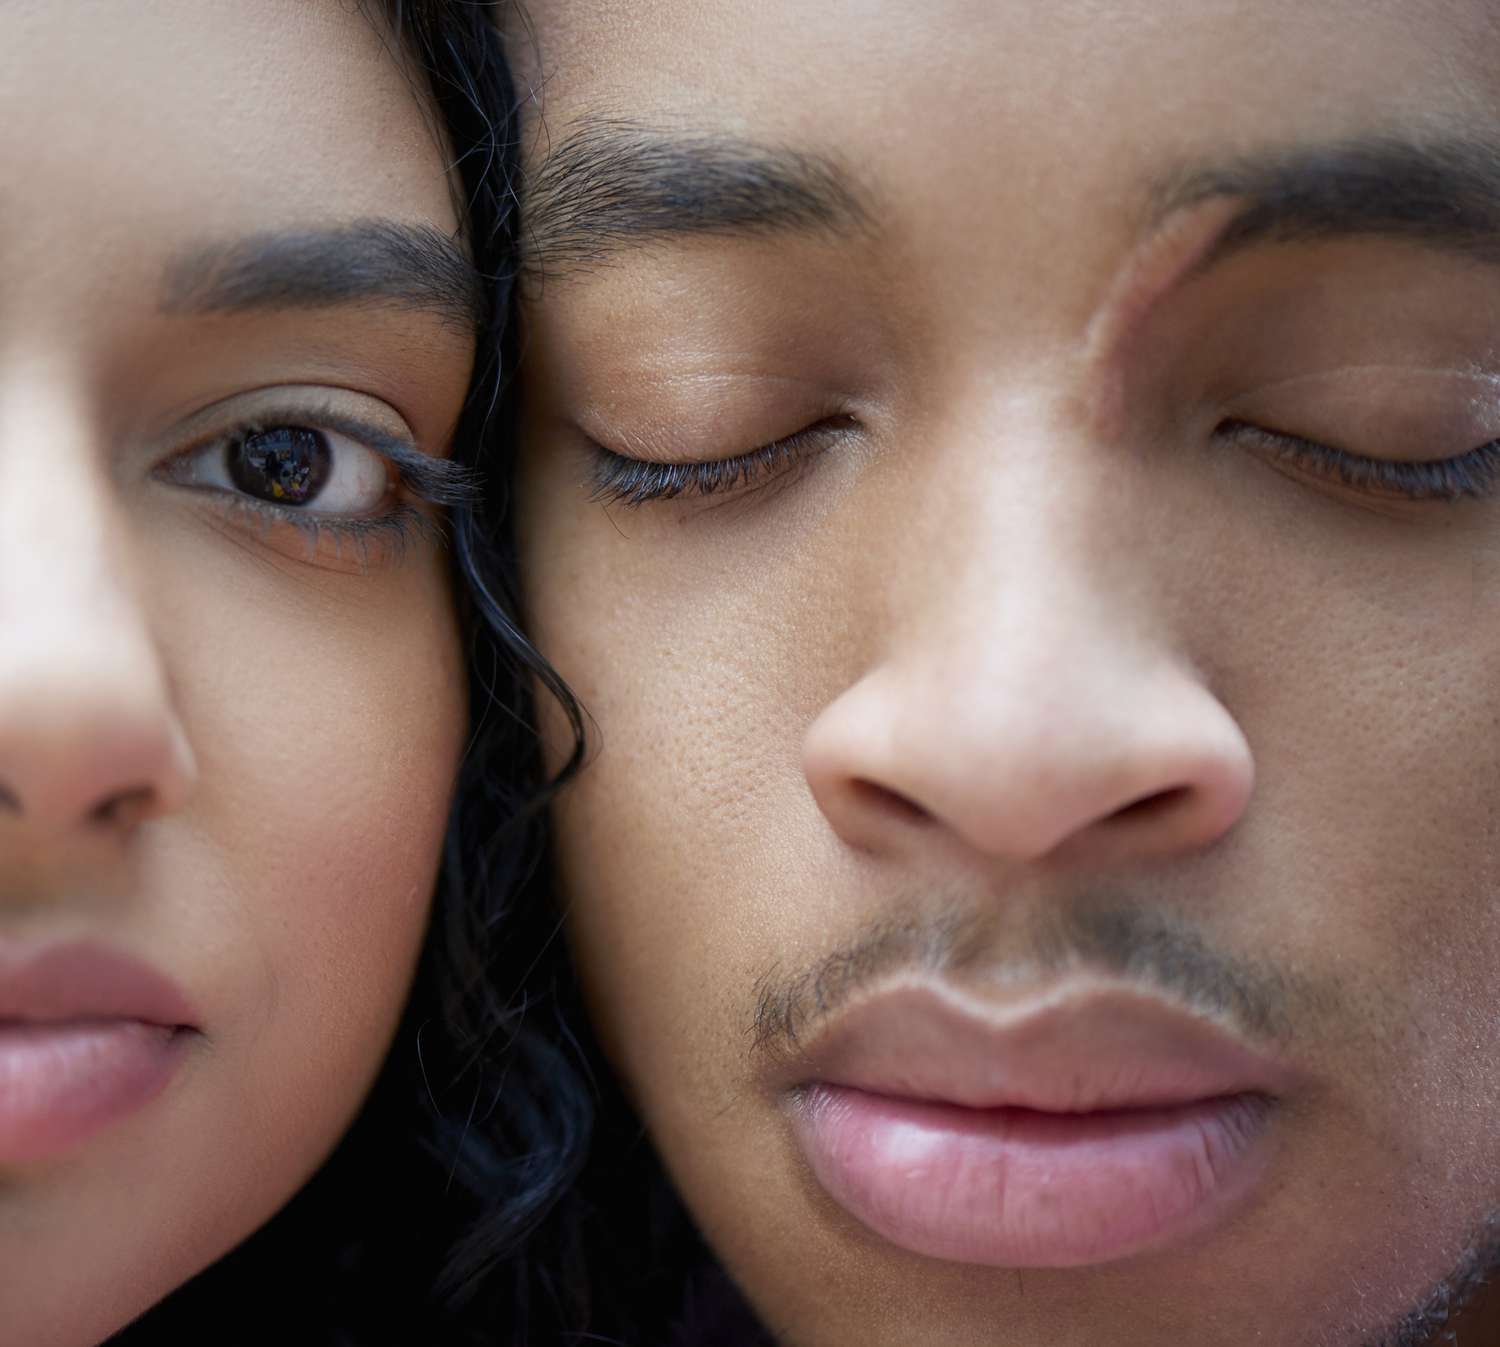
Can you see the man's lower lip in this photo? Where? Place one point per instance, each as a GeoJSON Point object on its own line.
{"type": "Point", "coordinates": [62, 1082]}
{"type": "Point", "coordinates": [1019, 1189]}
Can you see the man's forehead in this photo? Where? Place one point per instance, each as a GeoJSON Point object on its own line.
{"type": "Point", "coordinates": [1039, 111]}
{"type": "Point", "coordinates": [782, 56]}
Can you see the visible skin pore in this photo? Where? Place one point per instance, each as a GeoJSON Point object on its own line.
{"type": "Point", "coordinates": [910, 694]}
{"type": "Point", "coordinates": [286, 716]}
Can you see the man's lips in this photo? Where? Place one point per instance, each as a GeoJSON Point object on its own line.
{"type": "Point", "coordinates": [87, 1036]}
{"type": "Point", "coordinates": [1075, 1127]}
{"type": "Point", "coordinates": [1084, 1046]}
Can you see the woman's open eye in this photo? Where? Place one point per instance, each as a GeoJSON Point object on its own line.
{"type": "Point", "coordinates": [326, 475]}
{"type": "Point", "coordinates": [292, 466]}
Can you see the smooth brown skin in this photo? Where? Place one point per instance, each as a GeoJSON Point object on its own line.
{"type": "Point", "coordinates": [923, 678]}
{"type": "Point", "coordinates": [292, 714]}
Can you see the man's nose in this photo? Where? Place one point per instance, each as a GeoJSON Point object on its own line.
{"type": "Point", "coordinates": [90, 740]}
{"type": "Point", "coordinates": [1029, 700]}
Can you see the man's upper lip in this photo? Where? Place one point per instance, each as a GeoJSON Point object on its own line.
{"type": "Point", "coordinates": [1079, 1046]}
{"type": "Point", "coordinates": [86, 981]}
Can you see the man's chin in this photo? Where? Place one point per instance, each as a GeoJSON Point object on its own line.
{"type": "Point", "coordinates": [1459, 1308]}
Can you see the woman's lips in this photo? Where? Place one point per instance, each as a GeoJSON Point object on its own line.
{"type": "Point", "coordinates": [62, 1082]}
{"type": "Point", "coordinates": [87, 1037]}
{"type": "Point", "coordinates": [1075, 1129]}
{"type": "Point", "coordinates": [84, 981]}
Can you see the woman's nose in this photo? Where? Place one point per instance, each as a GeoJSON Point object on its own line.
{"type": "Point", "coordinates": [90, 740]}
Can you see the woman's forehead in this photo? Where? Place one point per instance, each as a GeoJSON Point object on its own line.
{"type": "Point", "coordinates": [174, 121]}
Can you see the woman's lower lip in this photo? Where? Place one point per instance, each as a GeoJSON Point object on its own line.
{"type": "Point", "coordinates": [1021, 1189]}
{"type": "Point", "coordinates": [60, 1082]}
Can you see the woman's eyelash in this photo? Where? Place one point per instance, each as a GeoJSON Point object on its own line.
{"type": "Point", "coordinates": [620, 480]}
{"type": "Point", "coordinates": [419, 476]}
{"type": "Point", "coordinates": [380, 533]}
{"type": "Point", "coordinates": [1469, 476]}
{"type": "Point", "coordinates": [439, 481]}
{"type": "Point", "coordinates": [393, 530]}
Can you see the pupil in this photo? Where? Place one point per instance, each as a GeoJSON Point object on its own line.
{"type": "Point", "coordinates": [288, 465]}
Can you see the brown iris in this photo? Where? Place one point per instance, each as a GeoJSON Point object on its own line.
{"type": "Point", "coordinates": [289, 465]}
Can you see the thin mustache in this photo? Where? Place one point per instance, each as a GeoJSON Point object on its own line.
{"type": "Point", "coordinates": [1147, 948]}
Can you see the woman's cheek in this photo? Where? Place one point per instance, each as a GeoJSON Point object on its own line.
{"type": "Point", "coordinates": [328, 716]}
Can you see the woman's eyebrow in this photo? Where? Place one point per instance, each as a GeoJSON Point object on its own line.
{"type": "Point", "coordinates": [610, 184]}
{"type": "Point", "coordinates": [1440, 194]}
{"type": "Point", "coordinates": [376, 261]}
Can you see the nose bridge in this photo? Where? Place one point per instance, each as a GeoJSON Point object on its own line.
{"type": "Point", "coordinates": [55, 524]}
{"type": "Point", "coordinates": [88, 731]}
{"type": "Point", "coordinates": [1029, 553]}
{"type": "Point", "coordinates": [1030, 686]}
{"type": "Point", "coordinates": [1038, 612]}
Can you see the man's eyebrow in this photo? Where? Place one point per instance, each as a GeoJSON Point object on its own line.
{"type": "Point", "coordinates": [610, 184]}
{"type": "Point", "coordinates": [380, 262]}
{"type": "Point", "coordinates": [1443, 194]}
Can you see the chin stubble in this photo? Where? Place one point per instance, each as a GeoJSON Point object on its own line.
{"type": "Point", "coordinates": [1430, 1322]}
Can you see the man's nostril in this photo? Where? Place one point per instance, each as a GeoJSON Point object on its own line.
{"type": "Point", "coordinates": [870, 795]}
{"type": "Point", "coordinates": [10, 802]}
{"type": "Point", "coordinates": [1151, 807]}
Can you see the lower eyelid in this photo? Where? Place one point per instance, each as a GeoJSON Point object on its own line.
{"type": "Point", "coordinates": [348, 542]}
{"type": "Point", "coordinates": [357, 542]}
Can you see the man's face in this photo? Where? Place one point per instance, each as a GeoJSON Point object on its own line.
{"type": "Point", "coordinates": [1018, 487]}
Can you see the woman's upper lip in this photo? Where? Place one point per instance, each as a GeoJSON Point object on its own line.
{"type": "Point", "coordinates": [1079, 1046]}
{"type": "Point", "coordinates": [87, 981]}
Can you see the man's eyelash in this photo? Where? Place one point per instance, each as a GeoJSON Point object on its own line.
{"type": "Point", "coordinates": [1470, 476]}
{"type": "Point", "coordinates": [617, 479]}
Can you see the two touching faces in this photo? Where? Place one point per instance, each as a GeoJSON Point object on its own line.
{"type": "Point", "coordinates": [1014, 487]}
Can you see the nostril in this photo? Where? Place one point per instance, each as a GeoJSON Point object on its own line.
{"type": "Point", "coordinates": [1151, 807]}
{"type": "Point", "coordinates": [870, 796]}
{"type": "Point", "coordinates": [10, 802]}
{"type": "Point", "coordinates": [123, 809]}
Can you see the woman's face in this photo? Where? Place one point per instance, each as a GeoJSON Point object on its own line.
{"type": "Point", "coordinates": [234, 341]}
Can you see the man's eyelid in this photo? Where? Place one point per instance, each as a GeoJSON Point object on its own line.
{"type": "Point", "coordinates": [621, 479]}
{"type": "Point", "coordinates": [1347, 379]}
{"type": "Point", "coordinates": [661, 440]}
{"type": "Point", "coordinates": [1380, 413]}
{"type": "Point", "coordinates": [1372, 482]}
